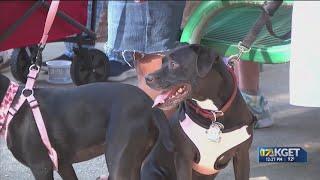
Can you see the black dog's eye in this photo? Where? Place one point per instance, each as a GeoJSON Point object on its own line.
{"type": "Point", "coordinates": [173, 65]}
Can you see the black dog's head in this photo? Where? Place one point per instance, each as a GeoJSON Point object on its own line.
{"type": "Point", "coordinates": [179, 75]}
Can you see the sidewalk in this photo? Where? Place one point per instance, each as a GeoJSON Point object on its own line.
{"type": "Point", "coordinates": [294, 126]}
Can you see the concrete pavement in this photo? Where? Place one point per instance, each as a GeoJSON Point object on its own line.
{"type": "Point", "coordinates": [294, 126]}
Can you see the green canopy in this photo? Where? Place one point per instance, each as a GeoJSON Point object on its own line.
{"type": "Point", "coordinates": [222, 24]}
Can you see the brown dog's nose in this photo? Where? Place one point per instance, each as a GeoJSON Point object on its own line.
{"type": "Point", "coordinates": [149, 78]}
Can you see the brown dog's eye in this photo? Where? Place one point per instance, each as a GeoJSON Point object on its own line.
{"type": "Point", "coordinates": [173, 65]}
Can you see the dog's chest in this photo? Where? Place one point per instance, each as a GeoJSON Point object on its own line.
{"type": "Point", "coordinates": [211, 153]}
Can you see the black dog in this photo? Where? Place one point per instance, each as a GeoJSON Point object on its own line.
{"type": "Point", "coordinates": [191, 74]}
{"type": "Point", "coordinates": [84, 122]}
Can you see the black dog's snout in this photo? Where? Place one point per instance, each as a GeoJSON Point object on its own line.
{"type": "Point", "coordinates": [149, 78]}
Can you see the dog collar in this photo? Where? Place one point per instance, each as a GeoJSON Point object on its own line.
{"type": "Point", "coordinates": [6, 104]}
{"type": "Point", "coordinates": [213, 115]}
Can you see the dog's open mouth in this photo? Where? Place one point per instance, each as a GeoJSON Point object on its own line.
{"type": "Point", "coordinates": [171, 98]}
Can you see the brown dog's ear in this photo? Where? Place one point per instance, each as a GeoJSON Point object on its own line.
{"type": "Point", "coordinates": [205, 60]}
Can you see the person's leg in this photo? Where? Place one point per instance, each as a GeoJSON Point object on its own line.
{"type": "Point", "coordinates": [140, 27]}
{"type": "Point", "coordinates": [68, 53]}
{"type": "Point", "coordinates": [162, 34]}
{"type": "Point", "coordinates": [248, 78]}
{"type": "Point", "coordinates": [126, 26]}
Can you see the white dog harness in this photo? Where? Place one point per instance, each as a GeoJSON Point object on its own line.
{"type": "Point", "coordinates": [212, 143]}
{"type": "Point", "coordinates": [210, 150]}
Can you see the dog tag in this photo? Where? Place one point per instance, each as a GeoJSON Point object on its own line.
{"type": "Point", "coordinates": [214, 132]}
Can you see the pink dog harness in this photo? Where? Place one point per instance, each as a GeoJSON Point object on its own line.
{"type": "Point", "coordinates": [9, 109]}
{"type": "Point", "coordinates": [209, 150]}
{"type": "Point", "coordinates": [6, 104]}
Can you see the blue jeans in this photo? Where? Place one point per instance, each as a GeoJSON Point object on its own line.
{"type": "Point", "coordinates": [100, 5]}
{"type": "Point", "coordinates": [145, 27]}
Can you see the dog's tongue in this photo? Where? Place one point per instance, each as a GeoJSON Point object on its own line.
{"type": "Point", "coordinates": [160, 99]}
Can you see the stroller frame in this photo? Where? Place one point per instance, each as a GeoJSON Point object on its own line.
{"type": "Point", "coordinates": [88, 65]}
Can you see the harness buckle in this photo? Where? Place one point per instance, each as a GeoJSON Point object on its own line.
{"type": "Point", "coordinates": [27, 92]}
{"type": "Point", "coordinates": [243, 48]}
{"type": "Point", "coordinates": [236, 57]}
{"type": "Point", "coordinates": [34, 67]}
{"type": "Point", "coordinates": [216, 114]}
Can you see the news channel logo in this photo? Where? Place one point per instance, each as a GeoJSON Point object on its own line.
{"type": "Point", "coordinates": [282, 154]}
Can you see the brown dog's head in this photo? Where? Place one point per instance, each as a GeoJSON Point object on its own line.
{"type": "Point", "coordinates": [180, 72]}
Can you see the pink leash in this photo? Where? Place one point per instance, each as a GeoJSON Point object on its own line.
{"type": "Point", "coordinates": [36, 113]}
{"type": "Point", "coordinates": [49, 21]}
{"type": "Point", "coordinates": [27, 92]}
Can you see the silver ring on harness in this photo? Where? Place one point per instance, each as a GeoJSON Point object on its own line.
{"type": "Point", "coordinates": [27, 92]}
{"type": "Point", "coordinates": [220, 125]}
{"type": "Point", "coordinates": [34, 67]}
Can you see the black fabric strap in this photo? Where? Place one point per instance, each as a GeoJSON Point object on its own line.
{"type": "Point", "coordinates": [268, 9]}
{"type": "Point", "coordinates": [255, 30]}
{"type": "Point", "coordinates": [285, 36]}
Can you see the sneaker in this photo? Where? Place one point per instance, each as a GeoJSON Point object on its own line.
{"type": "Point", "coordinates": [258, 105]}
{"type": "Point", "coordinates": [120, 71]}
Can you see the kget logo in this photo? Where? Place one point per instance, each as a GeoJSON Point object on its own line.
{"type": "Point", "coordinates": [282, 154]}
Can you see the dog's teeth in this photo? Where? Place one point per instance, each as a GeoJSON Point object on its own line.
{"type": "Point", "coordinates": [180, 90]}
{"type": "Point", "coordinates": [173, 96]}
{"type": "Point", "coordinates": [177, 93]}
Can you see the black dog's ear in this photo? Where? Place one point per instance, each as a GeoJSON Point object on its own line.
{"type": "Point", "coordinates": [205, 60]}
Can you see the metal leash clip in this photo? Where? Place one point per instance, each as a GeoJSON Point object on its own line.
{"type": "Point", "coordinates": [236, 58]}
{"type": "Point", "coordinates": [215, 130]}
{"type": "Point", "coordinates": [37, 58]}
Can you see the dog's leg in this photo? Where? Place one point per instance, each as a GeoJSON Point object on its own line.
{"type": "Point", "coordinates": [197, 176]}
{"type": "Point", "coordinates": [149, 171]}
{"type": "Point", "coordinates": [123, 161]}
{"type": "Point", "coordinates": [127, 148]}
{"type": "Point", "coordinates": [42, 173]}
{"type": "Point", "coordinates": [66, 171]}
{"type": "Point", "coordinates": [241, 163]}
{"type": "Point", "coordinates": [153, 165]}
{"type": "Point", "coordinates": [183, 167]}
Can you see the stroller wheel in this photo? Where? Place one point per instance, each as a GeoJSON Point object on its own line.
{"type": "Point", "coordinates": [21, 61]}
{"type": "Point", "coordinates": [89, 66]}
